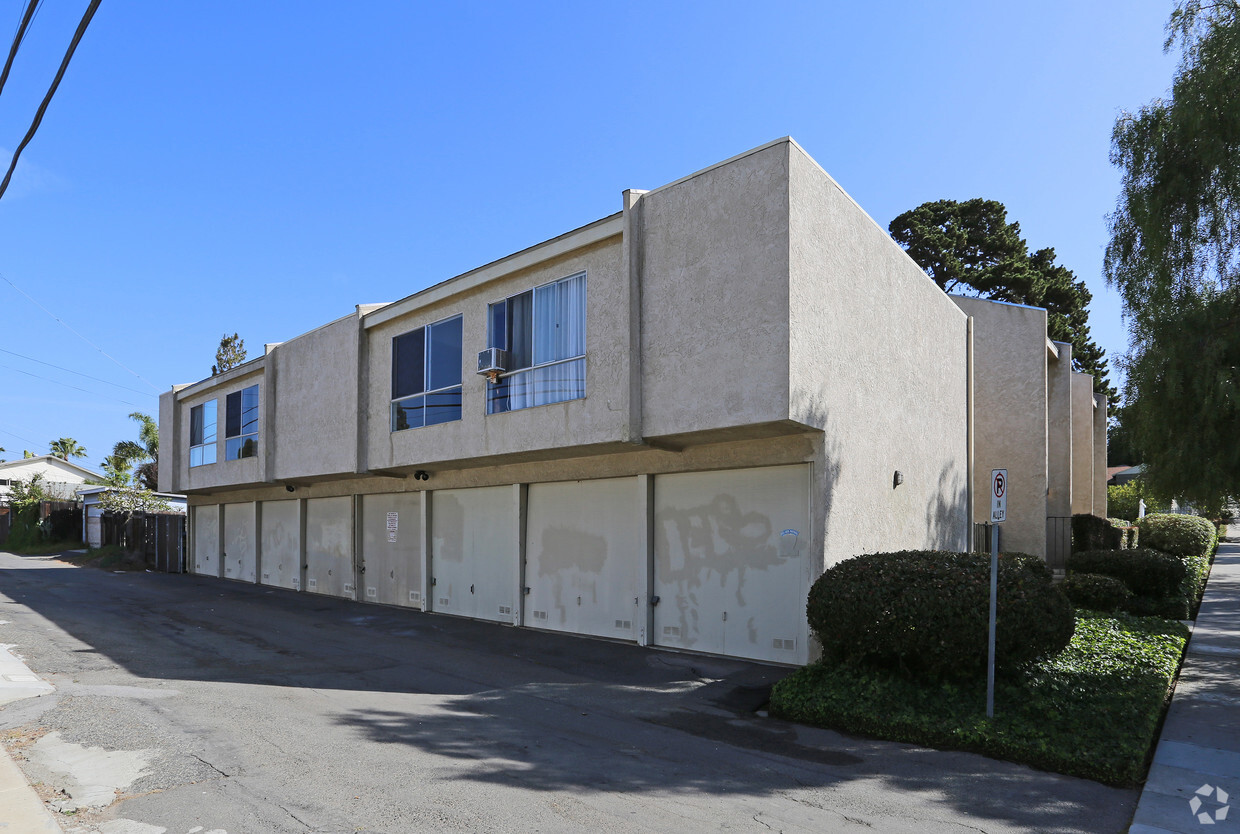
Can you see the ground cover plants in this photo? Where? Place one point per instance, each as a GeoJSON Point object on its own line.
{"type": "Point", "coordinates": [903, 638]}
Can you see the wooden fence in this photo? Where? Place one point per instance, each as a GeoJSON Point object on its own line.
{"type": "Point", "coordinates": [159, 537]}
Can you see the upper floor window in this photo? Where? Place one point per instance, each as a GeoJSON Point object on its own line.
{"type": "Point", "coordinates": [544, 332]}
{"type": "Point", "coordinates": [241, 424]}
{"type": "Point", "coordinates": [426, 375]}
{"type": "Point", "coordinates": [202, 434]}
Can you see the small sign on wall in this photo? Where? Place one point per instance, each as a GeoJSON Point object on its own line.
{"type": "Point", "coordinates": [393, 522]}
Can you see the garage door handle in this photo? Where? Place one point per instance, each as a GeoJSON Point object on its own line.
{"type": "Point", "coordinates": [362, 569]}
{"type": "Point", "coordinates": [471, 589]}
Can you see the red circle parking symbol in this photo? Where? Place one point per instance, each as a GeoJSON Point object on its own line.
{"type": "Point", "coordinates": [1000, 485]}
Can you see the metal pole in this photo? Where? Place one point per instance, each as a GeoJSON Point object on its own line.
{"type": "Point", "coordinates": [994, 598]}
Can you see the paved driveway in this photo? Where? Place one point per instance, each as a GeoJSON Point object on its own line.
{"type": "Point", "coordinates": [213, 706]}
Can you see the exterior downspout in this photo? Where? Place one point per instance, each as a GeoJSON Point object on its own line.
{"type": "Point", "coordinates": [969, 421]}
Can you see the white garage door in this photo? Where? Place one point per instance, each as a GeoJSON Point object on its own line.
{"type": "Point", "coordinates": [731, 562]}
{"type": "Point", "coordinates": [583, 557]}
{"type": "Point", "coordinates": [240, 542]}
{"type": "Point", "coordinates": [281, 540]}
{"type": "Point", "coordinates": [474, 553]}
{"type": "Point", "coordinates": [392, 548]}
{"type": "Point", "coordinates": [207, 540]}
{"type": "Point", "coordinates": [329, 546]}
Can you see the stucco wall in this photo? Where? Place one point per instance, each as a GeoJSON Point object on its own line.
{"type": "Point", "coordinates": [714, 297]}
{"type": "Point", "coordinates": [878, 362]}
{"type": "Point", "coordinates": [1099, 482]}
{"type": "Point", "coordinates": [59, 479]}
{"type": "Point", "coordinates": [601, 417]}
{"type": "Point", "coordinates": [1010, 417]}
{"type": "Point", "coordinates": [1059, 432]}
{"type": "Point", "coordinates": [1082, 443]}
{"type": "Point", "coordinates": [315, 378]}
{"type": "Point", "coordinates": [222, 472]}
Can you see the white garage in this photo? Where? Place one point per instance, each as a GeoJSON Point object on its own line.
{"type": "Point", "coordinates": [240, 558]}
{"type": "Point", "coordinates": [474, 560]}
{"type": "Point", "coordinates": [730, 564]}
{"type": "Point", "coordinates": [391, 560]}
{"type": "Point", "coordinates": [206, 539]}
{"type": "Point", "coordinates": [329, 547]}
{"type": "Point", "coordinates": [585, 557]}
{"type": "Point", "coordinates": [281, 544]}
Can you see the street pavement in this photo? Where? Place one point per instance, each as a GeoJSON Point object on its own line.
{"type": "Point", "coordinates": [185, 704]}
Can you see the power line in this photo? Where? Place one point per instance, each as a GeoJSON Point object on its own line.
{"type": "Point", "coordinates": [19, 437]}
{"type": "Point", "coordinates": [78, 373]}
{"type": "Point", "coordinates": [17, 40]}
{"type": "Point", "coordinates": [79, 335]}
{"type": "Point", "coordinates": [67, 385]}
{"type": "Point", "coordinates": [47, 99]}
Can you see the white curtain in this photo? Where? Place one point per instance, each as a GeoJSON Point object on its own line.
{"type": "Point", "coordinates": [560, 320]}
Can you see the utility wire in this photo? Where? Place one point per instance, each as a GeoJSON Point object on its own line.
{"type": "Point", "coordinates": [67, 385]}
{"type": "Point", "coordinates": [51, 91]}
{"type": "Point", "coordinates": [19, 437]}
{"type": "Point", "coordinates": [77, 373]}
{"type": "Point", "coordinates": [17, 40]}
{"type": "Point", "coordinates": [79, 335]}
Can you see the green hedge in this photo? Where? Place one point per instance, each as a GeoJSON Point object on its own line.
{"type": "Point", "coordinates": [1180, 535]}
{"type": "Point", "coordinates": [1091, 532]}
{"type": "Point", "coordinates": [1095, 592]}
{"type": "Point", "coordinates": [1146, 572]}
{"type": "Point", "coordinates": [1090, 711]}
{"type": "Point", "coordinates": [926, 612]}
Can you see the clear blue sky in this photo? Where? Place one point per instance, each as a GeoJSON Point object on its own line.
{"type": "Point", "coordinates": [215, 167]}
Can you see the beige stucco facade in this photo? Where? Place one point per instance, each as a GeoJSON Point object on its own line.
{"type": "Point", "coordinates": [771, 386]}
{"type": "Point", "coordinates": [1083, 405]}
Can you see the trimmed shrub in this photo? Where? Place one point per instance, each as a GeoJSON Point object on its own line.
{"type": "Point", "coordinates": [1096, 592]}
{"type": "Point", "coordinates": [1146, 572]}
{"type": "Point", "coordinates": [1091, 532]}
{"type": "Point", "coordinates": [927, 612]}
{"type": "Point", "coordinates": [1180, 535]}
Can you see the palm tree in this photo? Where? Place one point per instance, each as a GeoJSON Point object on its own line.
{"type": "Point", "coordinates": [67, 447]}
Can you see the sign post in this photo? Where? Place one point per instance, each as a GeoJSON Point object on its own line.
{"type": "Point", "coordinates": [998, 514]}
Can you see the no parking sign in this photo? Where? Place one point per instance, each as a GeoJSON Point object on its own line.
{"type": "Point", "coordinates": [998, 495]}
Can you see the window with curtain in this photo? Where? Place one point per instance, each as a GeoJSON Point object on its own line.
{"type": "Point", "coordinates": [544, 332]}
{"type": "Point", "coordinates": [426, 375]}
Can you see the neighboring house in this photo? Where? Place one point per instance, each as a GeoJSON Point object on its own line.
{"type": "Point", "coordinates": [682, 414]}
{"type": "Point", "coordinates": [1125, 474]}
{"type": "Point", "coordinates": [1041, 421]}
{"type": "Point", "coordinates": [61, 478]}
{"type": "Point", "coordinates": [92, 510]}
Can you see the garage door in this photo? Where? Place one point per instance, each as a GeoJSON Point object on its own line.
{"type": "Point", "coordinates": [474, 553]}
{"type": "Point", "coordinates": [240, 542]}
{"type": "Point", "coordinates": [583, 557]}
{"type": "Point", "coordinates": [731, 562]}
{"type": "Point", "coordinates": [329, 547]}
{"type": "Point", "coordinates": [207, 540]}
{"type": "Point", "coordinates": [392, 548]}
{"type": "Point", "coordinates": [281, 540]}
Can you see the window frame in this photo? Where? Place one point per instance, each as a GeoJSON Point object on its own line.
{"type": "Point", "coordinates": [239, 440]}
{"type": "Point", "coordinates": [509, 329]}
{"type": "Point", "coordinates": [426, 394]}
{"type": "Point", "coordinates": [205, 444]}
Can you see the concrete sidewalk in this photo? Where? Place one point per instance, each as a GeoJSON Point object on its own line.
{"type": "Point", "coordinates": [1195, 777]}
{"type": "Point", "coordinates": [20, 807]}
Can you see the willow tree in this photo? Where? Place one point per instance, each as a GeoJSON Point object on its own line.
{"type": "Point", "coordinates": [1174, 257]}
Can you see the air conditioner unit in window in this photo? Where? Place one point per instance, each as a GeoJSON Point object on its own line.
{"type": "Point", "coordinates": [492, 362]}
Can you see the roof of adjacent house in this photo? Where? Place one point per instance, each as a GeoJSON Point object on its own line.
{"type": "Point", "coordinates": [52, 460]}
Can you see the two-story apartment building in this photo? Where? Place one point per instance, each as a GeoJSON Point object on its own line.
{"type": "Point", "coordinates": [659, 427]}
